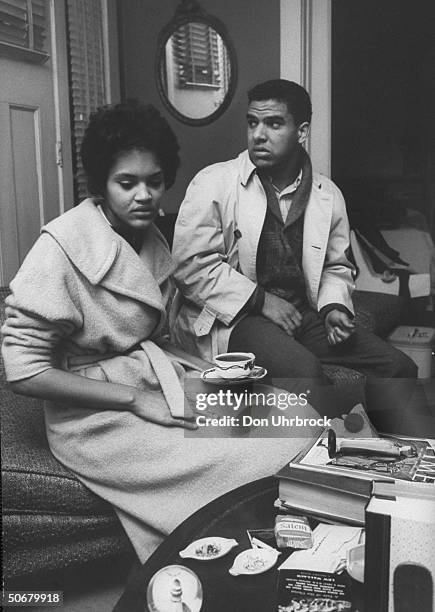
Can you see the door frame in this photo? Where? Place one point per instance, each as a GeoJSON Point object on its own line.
{"type": "Point", "coordinates": [61, 104]}
{"type": "Point", "coordinates": [305, 57]}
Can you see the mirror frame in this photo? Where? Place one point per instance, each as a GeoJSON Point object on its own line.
{"type": "Point", "coordinates": [186, 12]}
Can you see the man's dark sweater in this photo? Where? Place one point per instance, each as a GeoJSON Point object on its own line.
{"type": "Point", "coordinates": [279, 254]}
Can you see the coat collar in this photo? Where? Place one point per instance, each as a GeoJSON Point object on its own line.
{"type": "Point", "coordinates": [105, 258]}
{"type": "Point", "coordinates": [247, 169]}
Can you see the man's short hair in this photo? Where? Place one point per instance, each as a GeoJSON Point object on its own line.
{"type": "Point", "coordinates": [290, 93]}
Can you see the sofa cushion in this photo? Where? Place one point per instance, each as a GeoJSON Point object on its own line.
{"type": "Point", "coordinates": [33, 480]}
{"type": "Point", "coordinates": [37, 562]}
{"type": "Point", "coordinates": [377, 312]}
{"type": "Point", "coordinates": [43, 529]}
{"type": "Point", "coordinates": [50, 520]}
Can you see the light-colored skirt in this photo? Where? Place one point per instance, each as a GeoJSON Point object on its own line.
{"type": "Point", "coordinates": [156, 476]}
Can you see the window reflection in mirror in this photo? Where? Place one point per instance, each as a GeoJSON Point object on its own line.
{"type": "Point", "coordinates": [195, 70]}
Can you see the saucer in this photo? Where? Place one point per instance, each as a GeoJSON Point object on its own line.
{"type": "Point", "coordinates": [212, 376]}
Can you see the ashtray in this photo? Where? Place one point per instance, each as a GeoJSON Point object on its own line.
{"type": "Point", "coordinates": [254, 561]}
{"type": "Point", "coordinates": [207, 549]}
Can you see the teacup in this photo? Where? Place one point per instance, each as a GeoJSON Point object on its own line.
{"type": "Point", "coordinates": [234, 365]}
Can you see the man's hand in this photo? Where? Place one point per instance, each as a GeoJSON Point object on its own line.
{"type": "Point", "coordinates": [282, 313]}
{"type": "Point", "coordinates": [339, 327]}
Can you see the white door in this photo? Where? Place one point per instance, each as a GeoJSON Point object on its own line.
{"type": "Point", "coordinates": [32, 170]}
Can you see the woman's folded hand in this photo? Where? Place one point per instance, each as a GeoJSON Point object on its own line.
{"type": "Point", "coordinates": [145, 409]}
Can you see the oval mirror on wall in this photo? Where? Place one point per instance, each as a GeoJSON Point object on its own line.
{"type": "Point", "coordinates": [195, 66]}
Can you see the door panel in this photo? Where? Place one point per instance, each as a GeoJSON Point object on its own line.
{"type": "Point", "coordinates": [25, 136]}
{"type": "Point", "coordinates": [29, 182]}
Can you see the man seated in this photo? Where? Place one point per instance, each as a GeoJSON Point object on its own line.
{"type": "Point", "coordinates": [260, 246]}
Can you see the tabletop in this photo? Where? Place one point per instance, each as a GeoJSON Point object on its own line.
{"type": "Point", "coordinates": [250, 506]}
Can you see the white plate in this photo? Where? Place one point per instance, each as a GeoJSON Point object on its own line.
{"type": "Point", "coordinates": [254, 561]}
{"type": "Point", "coordinates": [207, 549]}
{"type": "Point", "coordinates": [212, 376]}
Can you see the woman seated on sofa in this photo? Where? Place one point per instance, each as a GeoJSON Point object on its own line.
{"type": "Point", "coordinates": [83, 330]}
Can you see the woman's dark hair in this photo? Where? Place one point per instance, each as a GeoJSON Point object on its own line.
{"type": "Point", "coordinates": [123, 127]}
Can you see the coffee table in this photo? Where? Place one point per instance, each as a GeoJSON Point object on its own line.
{"type": "Point", "coordinates": [247, 507]}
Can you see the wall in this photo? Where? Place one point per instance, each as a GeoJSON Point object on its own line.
{"type": "Point", "coordinates": [253, 26]}
{"type": "Point", "coordinates": [382, 85]}
{"type": "Point", "coordinates": [383, 100]}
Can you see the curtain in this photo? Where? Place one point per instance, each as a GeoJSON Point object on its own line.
{"type": "Point", "coordinates": [86, 75]}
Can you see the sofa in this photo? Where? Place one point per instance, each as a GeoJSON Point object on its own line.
{"type": "Point", "coordinates": [50, 520]}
